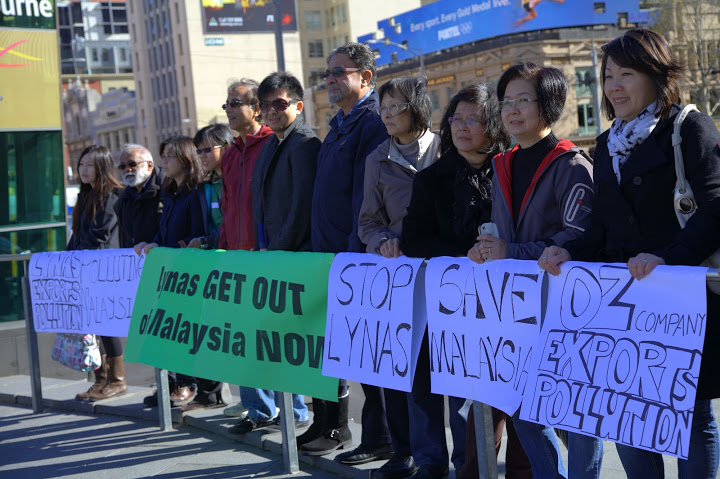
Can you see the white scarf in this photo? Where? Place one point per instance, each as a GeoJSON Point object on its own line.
{"type": "Point", "coordinates": [626, 135]}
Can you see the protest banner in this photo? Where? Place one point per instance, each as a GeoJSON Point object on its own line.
{"type": "Point", "coordinates": [619, 358]}
{"type": "Point", "coordinates": [87, 291]}
{"type": "Point", "coordinates": [483, 322]}
{"type": "Point", "coordinates": [373, 337]}
{"type": "Point", "coordinates": [250, 318]}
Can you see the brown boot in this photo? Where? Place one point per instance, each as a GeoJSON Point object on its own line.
{"type": "Point", "coordinates": [116, 384]}
{"type": "Point", "coordinates": [100, 381]}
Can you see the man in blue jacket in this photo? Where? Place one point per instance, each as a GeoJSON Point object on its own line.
{"type": "Point", "coordinates": [355, 131]}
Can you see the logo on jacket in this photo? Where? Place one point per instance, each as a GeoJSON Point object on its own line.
{"type": "Point", "coordinates": [575, 206]}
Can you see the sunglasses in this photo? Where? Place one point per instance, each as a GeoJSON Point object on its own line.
{"type": "Point", "coordinates": [337, 72]}
{"type": "Point", "coordinates": [278, 104]}
{"type": "Point", "coordinates": [234, 104]}
{"type": "Point", "coordinates": [202, 151]}
{"type": "Point", "coordinates": [130, 164]}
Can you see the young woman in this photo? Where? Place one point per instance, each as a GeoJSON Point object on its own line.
{"type": "Point", "coordinates": [634, 217]}
{"type": "Point", "coordinates": [405, 110]}
{"type": "Point", "coordinates": [450, 199]}
{"type": "Point", "coordinates": [211, 142]}
{"type": "Point", "coordinates": [181, 221]}
{"type": "Point", "coordinates": [95, 226]}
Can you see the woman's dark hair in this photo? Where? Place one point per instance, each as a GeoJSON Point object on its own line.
{"type": "Point", "coordinates": [482, 95]}
{"type": "Point", "coordinates": [647, 52]}
{"type": "Point", "coordinates": [361, 55]}
{"type": "Point", "coordinates": [414, 90]}
{"type": "Point", "coordinates": [217, 134]}
{"type": "Point", "coordinates": [280, 81]}
{"type": "Point", "coordinates": [184, 148]}
{"type": "Point", "coordinates": [94, 196]}
{"type": "Point", "coordinates": [551, 88]}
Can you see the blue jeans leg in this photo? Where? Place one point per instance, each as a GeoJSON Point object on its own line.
{"type": "Point", "coordinates": [703, 456]}
{"type": "Point", "coordinates": [262, 404]}
{"type": "Point", "coordinates": [300, 409]}
{"type": "Point", "coordinates": [639, 463]}
{"type": "Point", "coordinates": [542, 449]}
{"type": "Point", "coordinates": [585, 454]}
{"type": "Point", "coordinates": [458, 426]}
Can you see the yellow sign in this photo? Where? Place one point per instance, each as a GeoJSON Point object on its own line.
{"type": "Point", "coordinates": [29, 79]}
{"type": "Point", "coordinates": [441, 80]}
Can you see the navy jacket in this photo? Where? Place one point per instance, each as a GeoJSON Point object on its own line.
{"type": "Point", "coordinates": [182, 219]}
{"type": "Point", "coordinates": [139, 212]}
{"type": "Point", "coordinates": [339, 183]}
{"type": "Point", "coordinates": [282, 188]}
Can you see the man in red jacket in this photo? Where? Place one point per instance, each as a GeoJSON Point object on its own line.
{"type": "Point", "coordinates": [243, 112]}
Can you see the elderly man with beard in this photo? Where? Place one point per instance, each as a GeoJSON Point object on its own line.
{"type": "Point", "coordinates": [139, 206]}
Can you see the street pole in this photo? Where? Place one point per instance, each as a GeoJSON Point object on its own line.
{"type": "Point", "coordinates": [598, 123]}
{"type": "Point", "coordinates": [279, 52]}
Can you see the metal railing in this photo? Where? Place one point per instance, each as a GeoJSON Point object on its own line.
{"type": "Point", "coordinates": [484, 431]}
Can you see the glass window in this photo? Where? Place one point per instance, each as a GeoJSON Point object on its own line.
{"type": "Point", "coordinates": [435, 98]}
{"type": "Point", "coordinates": [313, 20]}
{"type": "Point", "coordinates": [315, 49]}
{"type": "Point", "coordinates": [584, 82]}
{"type": "Point", "coordinates": [586, 120]}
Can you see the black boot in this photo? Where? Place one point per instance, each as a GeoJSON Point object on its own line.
{"type": "Point", "coordinates": [337, 434]}
{"type": "Point", "coordinates": [317, 428]}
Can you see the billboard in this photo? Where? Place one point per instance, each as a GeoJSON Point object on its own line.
{"type": "Point", "coordinates": [450, 23]}
{"type": "Point", "coordinates": [29, 71]}
{"type": "Point", "coordinates": [246, 16]}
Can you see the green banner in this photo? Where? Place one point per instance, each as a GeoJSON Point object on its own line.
{"type": "Point", "coordinates": [256, 319]}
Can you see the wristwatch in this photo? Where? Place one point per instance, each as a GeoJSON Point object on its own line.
{"type": "Point", "coordinates": [203, 243]}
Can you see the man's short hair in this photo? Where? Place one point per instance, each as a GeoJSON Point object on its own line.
{"type": "Point", "coordinates": [281, 81]}
{"type": "Point", "coordinates": [360, 54]}
{"type": "Point", "coordinates": [130, 147]}
{"type": "Point", "coordinates": [251, 95]}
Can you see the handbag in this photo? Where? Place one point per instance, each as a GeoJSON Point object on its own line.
{"type": "Point", "coordinates": [684, 198]}
{"type": "Point", "coordinates": [77, 351]}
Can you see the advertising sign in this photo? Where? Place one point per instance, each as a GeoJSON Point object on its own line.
{"type": "Point", "coordinates": [446, 24]}
{"type": "Point", "coordinates": [246, 16]}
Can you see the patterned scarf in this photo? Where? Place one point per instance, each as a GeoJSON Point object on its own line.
{"type": "Point", "coordinates": [626, 135]}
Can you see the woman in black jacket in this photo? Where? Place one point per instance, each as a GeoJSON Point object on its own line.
{"type": "Point", "coordinates": [450, 200]}
{"type": "Point", "coordinates": [634, 220]}
{"type": "Point", "coordinates": [95, 226]}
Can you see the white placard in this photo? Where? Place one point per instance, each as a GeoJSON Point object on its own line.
{"type": "Point", "coordinates": [84, 291]}
{"type": "Point", "coordinates": [483, 321]}
{"type": "Point", "coordinates": [372, 334]}
{"type": "Point", "coordinates": [620, 358]}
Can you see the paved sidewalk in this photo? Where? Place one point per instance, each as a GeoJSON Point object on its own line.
{"type": "Point", "coordinates": [120, 438]}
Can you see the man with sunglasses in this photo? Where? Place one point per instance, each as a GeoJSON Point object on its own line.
{"type": "Point", "coordinates": [139, 206]}
{"type": "Point", "coordinates": [243, 113]}
{"type": "Point", "coordinates": [282, 190]}
{"type": "Point", "coordinates": [355, 131]}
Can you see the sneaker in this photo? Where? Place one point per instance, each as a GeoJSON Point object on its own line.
{"type": "Point", "coordinates": [236, 410]}
{"type": "Point", "coordinates": [249, 424]}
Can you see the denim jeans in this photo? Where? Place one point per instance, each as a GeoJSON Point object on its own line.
{"type": "Point", "coordinates": [261, 404]}
{"type": "Point", "coordinates": [702, 461]}
{"type": "Point", "coordinates": [541, 446]}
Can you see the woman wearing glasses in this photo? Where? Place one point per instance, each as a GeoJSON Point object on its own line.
{"type": "Point", "coordinates": [450, 200]}
{"type": "Point", "coordinates": [405, 110]}
{"type": "Point", "coordinates": [542, 195]}
{"type": "Point", "coordinates": [95, 226]}
{"type": "Point", "coordinates": [211, 142]}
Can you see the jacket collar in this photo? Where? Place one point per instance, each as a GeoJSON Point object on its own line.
{"type": "Point", "coordinates": [425, 142]}
{"type": "Point", "coordinates": [252, 139]}
{"type": "Point", "coordinates": [371, 103]}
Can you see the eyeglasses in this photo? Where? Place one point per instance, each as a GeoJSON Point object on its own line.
{"type": "Point", "coordinates": [202, 151]}
{"type": "Point", "coordinates": [518, 102]}
{"type": "Point", "coordinates": [469, 122]}
{"type": "Point", "coordinates": [130, 164]}
{"type": "Point", "coordinates": [337, 72]}
{"type": "Point", "coordinates": [234, 104]}
{"type": "Point", "coordinates": [278, 104]}
{"type": "Point", "coordinates": [395, 108]}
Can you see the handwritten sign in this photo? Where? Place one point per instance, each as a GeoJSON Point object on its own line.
{"type": "Point", "coordinates": [373, 335]}
{"type": "Point", "coordinates": [88, 291]}
{"type": "Point", "coordinates": [250, 318]}
{"type": "Point", "coordinates": [619, 359]}
{"type": "Point", "coordinates": [483, 322]}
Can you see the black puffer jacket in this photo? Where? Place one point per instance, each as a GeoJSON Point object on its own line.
{"type": "Point", "coordinates": [139, 212]}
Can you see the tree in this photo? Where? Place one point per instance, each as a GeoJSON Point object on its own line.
{"type": "Point", "coordinates": [693, 29]}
